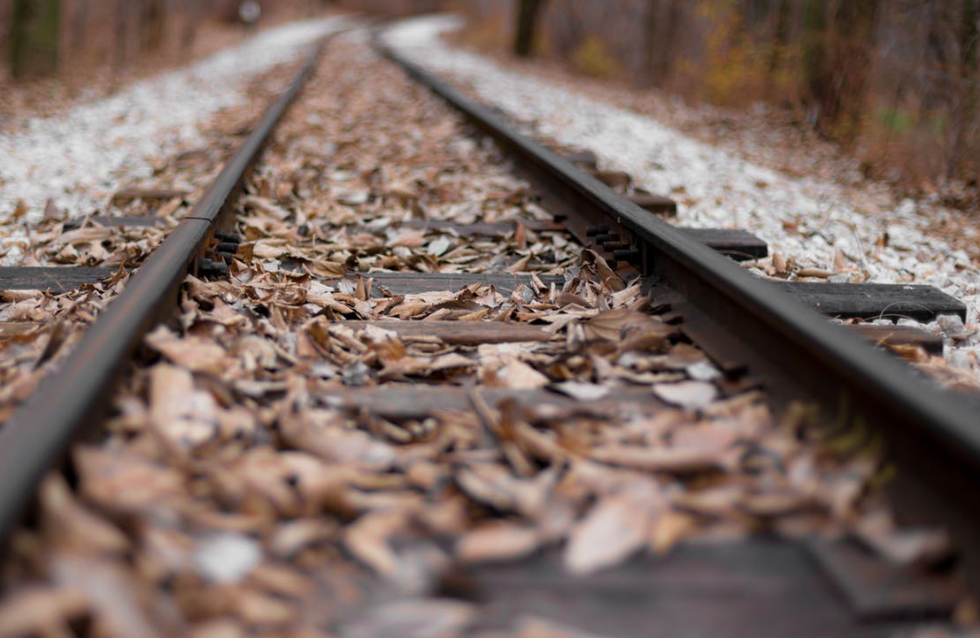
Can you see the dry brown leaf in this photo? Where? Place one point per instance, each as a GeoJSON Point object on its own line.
{"type": "Point", "coordinates": [667, 459]}
{"type": "Point", "coordinates": [294, 536]}
{"type": "Point", "coordinates": [118, 599]}
{"type": "Point", "coordinates": [41, 611]}
{"type": "Point", "coordinates": [125, 482]}
{"type": "Point", "coordinates": [71, 526]}
{"type": "Point", "coordinates": [609, 278]}
{"type": "Point", "coordinates": [324, 434]}
{"type": "Point", "coordinates": [517, 375]}
{"type": "Point", "coordinates": [616, 527]}
{"type": "Point", "coordinates": [367, 539]}
{"type": "Point", "coordinates": [690, 395]}
{"type": "Point", "coordinates": [671, 528]}
{"type": "Point", "coordinates": [497, 542]}
{"type": "Point", "coordinates": [614, 325]}
{"type": "Point", "coordinates": [183, 415]}
{"type": "Point", "coordinates": [194, 353]}
{"type": "Point", "coordinates": [582, 391]}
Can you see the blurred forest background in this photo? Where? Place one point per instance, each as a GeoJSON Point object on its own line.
{"type": "Point", "coordinates": [895, 81]}
{"type": "Point", "coordinates": [43, 37]}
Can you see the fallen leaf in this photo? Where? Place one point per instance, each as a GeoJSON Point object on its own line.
{"type": "Point", "coordinates": [616, 527]}
{"type": "Point", "coordinates": [497, 542]}
{"type": "Point", "coordinates": [41, 611]}
{"type": "Point", "coordinates": [670, 529]}
{"type": "Point", "coordinates": [439, 246]}
{"type": "Point", "coordinates": [367, 539]}
{"type": "Point", "coordinates": [614, 325]}
{"type": "Point", "coordinates": [669, 459]}
{"type": "Point", "coordinates": [194, 353]}
{"type": "Point", "coordinates": [518, 375]}
{"type": "Point", "coordinates": [184, 415]}
{"type": "Point", "coordinates": [690, 395]}
{"type": "Point", "coordinates": [582, 391]}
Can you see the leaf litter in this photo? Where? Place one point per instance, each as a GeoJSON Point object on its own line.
{"type": "Point", "coordinates": [256, 480]}
{"type": "Point", "coordinates": [39, 327]}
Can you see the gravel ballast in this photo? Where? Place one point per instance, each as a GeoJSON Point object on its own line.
{"type": "Point", "coordinates": [78, 159]}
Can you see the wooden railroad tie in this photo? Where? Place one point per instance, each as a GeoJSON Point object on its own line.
{"type": "Point", "coordinates": [845, 301]}
{"type": "Point", "coordinates": [405, 401]}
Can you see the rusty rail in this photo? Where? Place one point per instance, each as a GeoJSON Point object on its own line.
{"type": "Point", "coordinates": [39, 433]}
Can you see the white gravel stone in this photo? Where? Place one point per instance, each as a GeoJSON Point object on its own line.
{"type": "Point", "coordinates": [721, 190]}
{"type": "Point", "coordinates": [78, 159]}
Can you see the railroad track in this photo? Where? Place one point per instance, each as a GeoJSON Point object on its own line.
{"type": "Point", "coordinates": [408, 389]}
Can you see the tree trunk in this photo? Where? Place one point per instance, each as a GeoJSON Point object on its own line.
{"type": "Point", "coordinates": [123, 9]}
{"type": "Point", "coordinates": [152, 25]}
{"type": "Point", "coordinates": [815, 50]}
{"type": "Point", "coordinates": [969, 35]}
{"type": "Point", "coordinates": [754, 14]}
{"type": "Point", "coordinates": [780, 37]}
{"type": "Point", "coordinates": [34, 37]}
{"type": "Point", "coordinates": [6, 12]}
{"type": "Point", "coordinates": [665, 61]}
{"type": "Point", "coordinates": [527, 18]}
{"type": "Point", "coordinates": [192, 16]}
{"type": "Point", "coordinates": [853, 53]}
{"type": "Point", "coordinates": [650, 41]}
{"type": "Point", "coordinates": [964, 114]}
{"type": "Point", "coordinates": [571, 31]}
{"type": "Point", "coordinates": [837, 58]}
{"type": "Point", "coordinates": [79, 24]}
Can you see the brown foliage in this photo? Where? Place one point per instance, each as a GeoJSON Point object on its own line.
{"type": "Point", "coordinates": [101, 32]}
{"type": "Point", "coordinates": [897, 80]}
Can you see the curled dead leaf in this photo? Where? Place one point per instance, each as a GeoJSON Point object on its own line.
{"type": "Point", "coordinates": [497, 542]}
{"type": "Point", "coordinates": [616, 527]}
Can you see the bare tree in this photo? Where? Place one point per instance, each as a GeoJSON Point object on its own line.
{"type": "Point", "coordinates": [152, 24]}
{"type": "Point", "coordinates": [669, 41]}
{"type": "Point", "coordinates": [840, 42]}
{"type": "Point", "coordinates": [188, 37]}
{"type": "Point", "coordinates": [650, 40]}
{"type": "Point", "coordinates": [34, 37]}
{"type": "Point", "coordinates": [780, 36]}
{"type": "Point", "coordinates": [79, 24]}
{"type": "Point", "coordinates": [964, 112]}
{"type": "Point", "coordinates": [528, 12]}
{"type": "Point", "coordinates": [122, 27]}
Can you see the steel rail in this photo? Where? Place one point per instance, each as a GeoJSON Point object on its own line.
{"type": "Point", "coordinates": [75, 395]}
{"type": "Point", "coordinates": [934, 431]}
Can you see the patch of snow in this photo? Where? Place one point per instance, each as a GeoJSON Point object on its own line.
{"type": "Point", "coordinates": [804, 218]}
